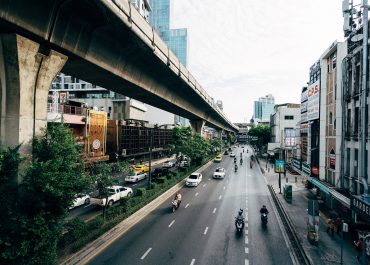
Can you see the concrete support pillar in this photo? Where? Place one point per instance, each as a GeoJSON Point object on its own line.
{"type": "Point", "coordinates": [197, 126]}
{"type": "Point", "coordinates": [26, 74]}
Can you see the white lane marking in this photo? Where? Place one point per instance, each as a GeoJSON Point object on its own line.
{"type": "Point", "coordinates": [246, 231]}
{"type": "Point", "coordinates": [171, 223]}
{"type": "Point", "coordinates": [205, 231]}
{"type": "Point", "coordinates": [246, 250]}
{"type": "Point", "coordinates": [246, 224]}
{"type": "Point", "coordinates": [196, 194]}
{"type": "Point", "coordinates": [246, 262]}
{"type": "Point", "coordinates": [209, 178]}
{"type": "Point", "coordinates": [204, 185]}
{"type": "Point", "coordinates": [146, 253]}
{"type": "Point", "coordinates": [220, 197]}
{"type": "Point", "coordinates": [186, 206]}
{"type": "Point", "coordinates": [246, 240]}
{"type": "Point", "coordinates": [192, 262]}
{"type": "Point", "coordinates": [224, 187]}
{"type": "Point", "coordinates": [214, 210]}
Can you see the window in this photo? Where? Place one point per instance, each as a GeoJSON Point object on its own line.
{"type": "Point", "coordinates": [355, 129]}
{"type": "Point", "coordinates": [330, 118]}
{"type": "Point", "coordinates": [288, 117]}
{"type": "Point", "coordinates": [355, 174]}
{"type": "Point", "coordinates": [348, 159]}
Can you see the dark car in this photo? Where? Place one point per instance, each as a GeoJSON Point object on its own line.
{"type": "Point", "coordinates": [226, 152]}
{"type": "Point", "coordinates": [159, 172]}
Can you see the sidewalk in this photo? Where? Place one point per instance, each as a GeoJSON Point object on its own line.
{"type": "Point", "coordinates": [328, 250]}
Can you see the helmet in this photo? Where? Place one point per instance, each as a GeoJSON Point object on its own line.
{"type": "Point", "coordinates": [263, 206]}
{"type": "Point", "coordinates": [240, 211]}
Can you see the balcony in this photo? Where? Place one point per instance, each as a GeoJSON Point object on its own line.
{"type": "Point", "coordinates": [66, 109]}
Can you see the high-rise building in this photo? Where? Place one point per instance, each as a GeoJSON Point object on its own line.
{"type": "Point", "coordinates": [176, 39]}
{"type": "Point", "coordinates": [264, 108]}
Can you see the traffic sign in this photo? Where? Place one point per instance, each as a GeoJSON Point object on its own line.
{"type": "Point", "coordinates": [279, 166]}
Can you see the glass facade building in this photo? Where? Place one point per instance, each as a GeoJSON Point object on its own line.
{"type": "Point", "coordinates": [264, 108]}
{"type": "Point", "coordinates": [176, 39]}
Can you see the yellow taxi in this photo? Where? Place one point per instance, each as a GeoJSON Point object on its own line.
{"type": "Point", "coordinates": [218, 158]}
{"type": "Point", "coordinates": [141, 168]}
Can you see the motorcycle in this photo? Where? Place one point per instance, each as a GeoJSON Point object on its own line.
{"type": "Point", "coordinates": [175, 205]}
{"type": "Point", "coordinates": [251, 165]}
{"type": "Point", "coordinates": [236, 168]}
{"type": "Point", "coordinates": [264, 219]}
{"type": "Point", "coordinates": [239, 224]}
{"type": "Point", "coordinates": [241, 161]}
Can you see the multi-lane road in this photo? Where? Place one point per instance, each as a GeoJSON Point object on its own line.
{"type": "Point", "coordinates": [202, 231]}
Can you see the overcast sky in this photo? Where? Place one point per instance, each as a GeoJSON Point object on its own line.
{"type": "Point", "coordinates": [240, 50]}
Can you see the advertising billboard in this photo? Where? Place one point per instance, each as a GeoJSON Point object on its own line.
{"type": "Point", "coordinates": [313, 103]}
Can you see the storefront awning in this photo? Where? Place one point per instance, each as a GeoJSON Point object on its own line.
{"type": "Point", "coordinates": [319, 185]}
{"type": "Point", "coordinates": [341, 198]}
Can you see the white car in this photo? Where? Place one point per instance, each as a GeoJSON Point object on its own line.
{"type": "Point", "coordinates": [115, 194]}
{"type": "Point", "coordinates": [194, 180]}
{"type": "Point", "coordinates": [219, 173]}
{"type": "Point", "coordinates": [80, 199]}
{"type": "Point", "coordinates": [137, 176]}
{"type": "Point", "coordinates": [232, 154]}
{"type": "Point", "coordinates": [168, 164]}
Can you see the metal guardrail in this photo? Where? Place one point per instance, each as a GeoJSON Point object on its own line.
{"type": "Point", "coordinates": [299, 252]}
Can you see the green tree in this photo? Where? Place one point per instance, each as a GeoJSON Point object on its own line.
{"type": "Point", "coordinates": [33, 211]}
{"type": "Point", "coordinates": [263, 134]}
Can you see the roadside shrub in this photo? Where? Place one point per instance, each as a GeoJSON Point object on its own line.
{"type": "Point", "coordinates": [125, 203]}
{"type": "Point", "coordinates": [161, 180]}
{"type": "Point", "coordinates": [168, 176]}
{"type": "Point", "coordinates": [95, 223]}
{"type": "Point", "coordinates": [154, 186]}
{"type": "Point", "coordinates": [140, 191]}
{"type": "Point", "coordinates": [113, 212]}
{"type": "Point", "coordinates": [75, 229]}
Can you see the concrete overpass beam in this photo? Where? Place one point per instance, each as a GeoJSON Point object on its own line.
{"type": "Point", "coordinates": [197, 126]}
{"type": "Point", "coordinates": [26, 74]}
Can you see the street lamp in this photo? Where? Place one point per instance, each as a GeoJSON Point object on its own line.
{"type": "Point", "coordinates": [151, 147]}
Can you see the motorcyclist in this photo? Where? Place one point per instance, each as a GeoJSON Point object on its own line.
{"type": "Point", "coordinates": [236, 167]}
{"type": "Point", "coordinates": [247, 150]}
{"type": "Point", "coordinates": [243, 150]}
{"type": "Point", "coordinates": [178, 199]}
{"type": "Point", "coordinates": [241, 161]}
{"type": "Point", "coordinates": [264, 210]}
{"type": "Point", "coordinates": [239, 217]}
{"type": "Point", "coordinates": [234, 159]}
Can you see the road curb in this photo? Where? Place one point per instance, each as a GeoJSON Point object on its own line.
{"type": "Point", "coordinates": [95, 247]}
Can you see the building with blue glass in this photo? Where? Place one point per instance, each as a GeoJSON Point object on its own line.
{"type": "Point", "coordinates": [264, 108]}
{"type": "Point", "coordinates": [176, 39]}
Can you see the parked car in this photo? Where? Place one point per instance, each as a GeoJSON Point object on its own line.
{"type": "Point", "coordinates": [219, 173]}
{"type": "Point", "coordinates": [194, 179]}
{"type": "Point", "coordinates": [115, 194]}
{"type": "Point", "coordinates": [141, 168]}
{"type": "Point", "coordinates": [160, 172]}
{"type": "Point", "coordinates": [232, 154]}
{"type": "Point", "coordinates": [168, 164]}
{"type": "Point", "coordinates": [80, 199]}
{"type": "Point", "coordinates": [136, 176]}
{"type": "Point", "coordinates": [218, 158]}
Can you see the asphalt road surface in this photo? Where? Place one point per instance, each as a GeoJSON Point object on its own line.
{"type": "Point", "coordinates": [202, 230]}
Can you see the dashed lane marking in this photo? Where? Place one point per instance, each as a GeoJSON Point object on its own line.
{"type": "Point", "coordinates": [246, 250]}
{"type": "Point", "coordinates": [220, 197]}
{"type": "Point", "coordinates": [246, 262]}
{"type": "Point", "coordinates": [186, 206]}
{"type": "Point", "coordinates": [246, 231]}
{"type": "Point", "coordinates": [224, 187]}
{"type": "Point", "coordinates": [204, 185]}
{"type": "Point", "coordinates": [196, 194]}
{"type": "Point", "coordinates": [192, 262]}
{"type": "Point", "coordinates": [214, 210]}
{"type": "Point", "coordinates": [209, 178]}
{"type": "Point", "coordinates": [246, 240]}
{"type": "Point", "coordinates": [146, 253]}
{"type": "Point", "coordinates": [171, 223]}
{"type": "Point", "coordinates": [246, 224]}
{"type": "Point", "coordinates": [205, 231]}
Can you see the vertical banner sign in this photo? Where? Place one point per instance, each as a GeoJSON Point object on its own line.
{"type": "Point", "coordinates": [279, 166]}
{"type": "Point", "coordinates": [313, 103]}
